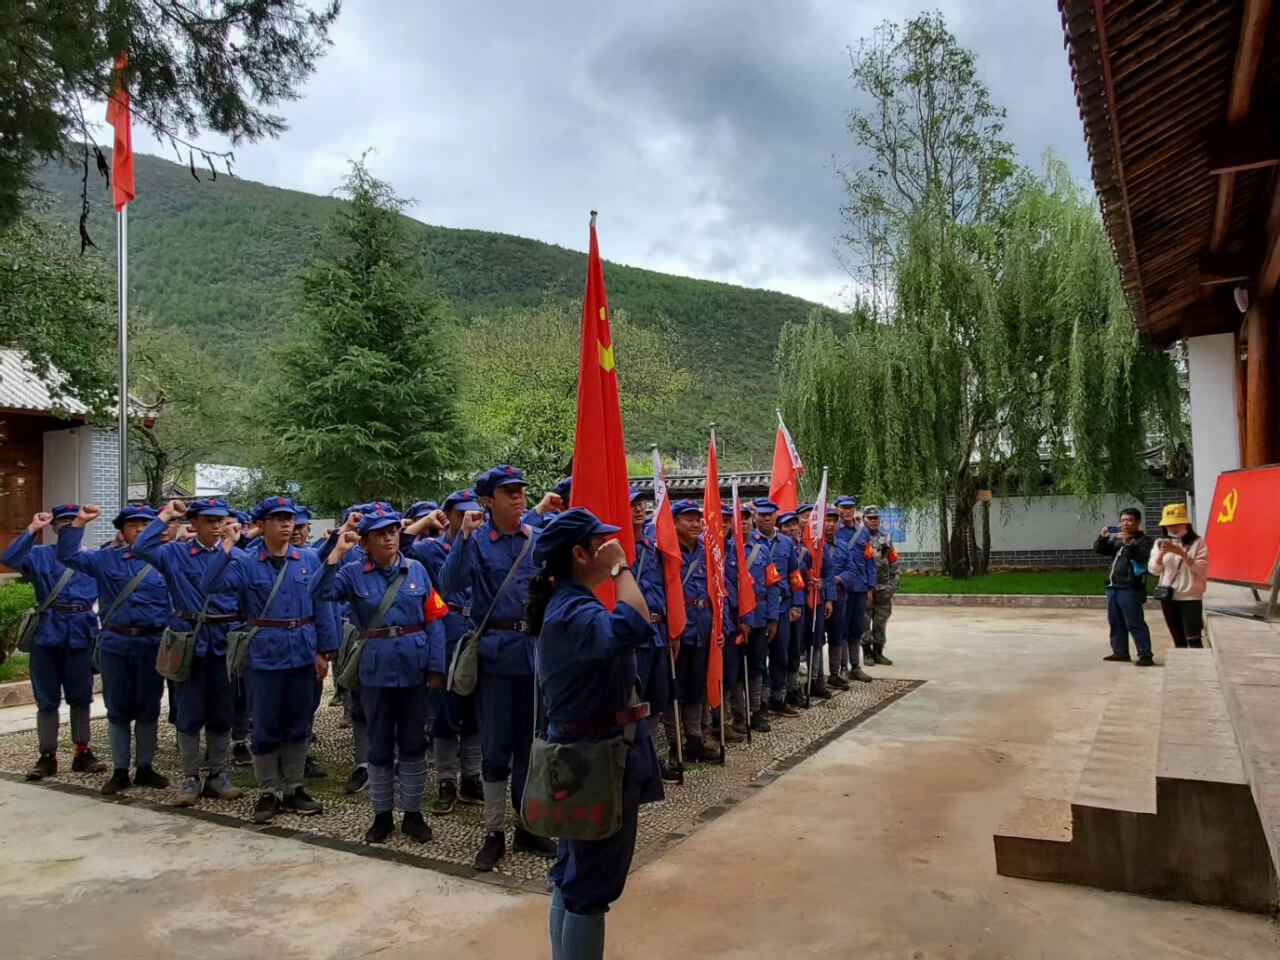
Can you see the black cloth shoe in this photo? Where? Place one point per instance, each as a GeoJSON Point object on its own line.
{"type": "Point", "coordinates": [471, 791]}
{"type": "Point", "coordinates": [878, 656]}
{"type": "Point", "coordinates": [445, 801]}
{"type": "Point", "coordinates": [699, 751]}
{"type": "Point", "coordinates": [538, 846]}
{"type": "Point", "coordinates": [240, 755]}
{"type": "Point", "coordinates": [415, 827]}
{"type": "Point", "coordinates": [118, 783]}
{"type": "Point", "coordinates": [837, 682]}
{"type": "Point", "coordinates": [358, 780]}
{"type": "Point", "coordinates": [147, 777]}
{"type": "Point", "coordinates": [860, 675]}
{"type": "Point", "coordinates": [380, 829]}
{"type": "Point", "coordinates": [312, 770]}
{"type": "Point", "coordinates": [760, 723]}
{"type": "Point", "coordinates": [794, 699]}
{"type": "Point", "coordinates": [780, 708]}
{"type": "Point", "coordinates": [86, 762]}
{"type": "Point", "coordinates": [670, 771]}
{"type": "Point", "coordinates": [267, 809]}
{"type": "Point", "coordinates": [1117, 658]}
{"type": "Point", "coordinates": [45, 766]}
{"type": "Point", "coordinates": [819, 690]}
{"type": "Point", "coordinates": [300, 802]}
{"type": "Point", "coordinates": [492, 850]}
{"type": "Point", "coordinates": [1144, 662]}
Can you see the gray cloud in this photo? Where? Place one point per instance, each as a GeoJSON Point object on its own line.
{"type": "Point", "coordinates": [703, 130]}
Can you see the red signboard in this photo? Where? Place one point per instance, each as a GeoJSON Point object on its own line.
{"type": "Point", "coordinates": [1242, 527]}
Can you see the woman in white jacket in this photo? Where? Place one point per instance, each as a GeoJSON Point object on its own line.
{"type": "Point", "coordinates": [1181, 562]}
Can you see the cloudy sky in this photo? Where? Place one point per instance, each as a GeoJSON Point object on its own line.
{"type": "Point", "coordinates": [705, 131]}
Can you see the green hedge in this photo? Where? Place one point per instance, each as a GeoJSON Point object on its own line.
{"type": "Point", "coordinates": [16, 598]}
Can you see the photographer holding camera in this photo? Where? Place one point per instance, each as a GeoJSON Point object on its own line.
{"type": "Point", "coordinates": [1182, 563]}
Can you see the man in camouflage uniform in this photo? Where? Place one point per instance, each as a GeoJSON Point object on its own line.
{"type": "Point", "coordinates": [880, 597]}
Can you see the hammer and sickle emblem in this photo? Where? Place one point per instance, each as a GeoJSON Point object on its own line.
{"type": "Point", "coordinates": [1229, 504]}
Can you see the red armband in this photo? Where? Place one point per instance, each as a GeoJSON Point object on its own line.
{"type": "Point", "coordinates": [893, 555]}
{"type": "Point", "coordinates": [434, 608]}
{"type": "Point", "coordinates": [771, 576]}
{"type": "Point", "coordinates": [796, 580]}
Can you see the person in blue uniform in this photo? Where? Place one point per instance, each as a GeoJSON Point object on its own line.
{"type": "Point", "coordinates": [734, 643]}
{"type": "Point", "coordinates": [486, 551]}
{"type": "Point", "coordinates": [762, 622]}
{"type": "Point", "coordinates": [689, 685]}
{"type": "Point", "coordinates": [587, 678]}
{"type": "Point", "coordinates": [653, 660]}
{"type": "Point", "coordinates": [786, 564]}
{"type": "Point", "coordinates": [127, 641]}
{"type": "Point", "coordinates": [205, 701]}
{"type": "Point", "coordinates": [789, 527]}
{"type": "Point", "coordinates": [61, 662]}
{"type": "Point", "coordinates": [402, 656]}
{"type": "Point", "coordinates": [856, 579]}
{"type": "Point", "coordinates": [455, 738]}
{"type": "Point", "coordinates": [292, 646]}
{"type": "Point", "coordinates": [821, 593]}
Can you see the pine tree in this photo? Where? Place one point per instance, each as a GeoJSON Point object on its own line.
{"type": "Point", "coordinates": [359, 402]}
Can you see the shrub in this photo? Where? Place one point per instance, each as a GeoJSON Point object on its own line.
{"type": "Point", "coordinates": [16, 598]}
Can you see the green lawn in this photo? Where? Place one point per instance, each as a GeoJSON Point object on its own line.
{"type": "Point", "coordinates": [15, 668]}
{"type": "Point", "coordinates": [1070, 582]}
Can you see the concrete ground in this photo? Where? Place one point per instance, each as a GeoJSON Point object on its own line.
{"type": "Point", "coordinates": [880, 845]}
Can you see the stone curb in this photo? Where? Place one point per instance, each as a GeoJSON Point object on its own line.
{"type": "Point", "coordinates": [18, 693]}
{"type": "Point", "coordinates": [1072, 602]}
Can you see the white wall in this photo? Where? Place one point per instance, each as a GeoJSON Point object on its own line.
{"type": "Point", "coordinates": [68, 457]}
{"type": "Point", "coordinates": [1215, 436]}
{"type": "Point", "coordinates": [1026, 523]}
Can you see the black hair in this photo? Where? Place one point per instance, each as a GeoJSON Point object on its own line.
{"type": "Point", "coordinates": [542, 586]}
{"type": "Point", "coordinates": [1187, 538]}
{"type": "Point", "coordinates": [1132, 512]}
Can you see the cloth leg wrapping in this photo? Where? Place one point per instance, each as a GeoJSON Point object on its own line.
{"type": "Point", "coordinates": [47, 730]}
{"type": "Point", "coordinates": [266, 768]}
{"type": "Point", "coordinates": [218, 743]}
{"type": "Point", "coordinates": [556, 923]}
{"type": "Point", "coordinates": [413, 784]}
{"type": "Point", "coordinates": [79, 723]}
{"type": "Point", "coordinates": [360, 742]}
{"type": "Point", "coordinates": [582, 937]}
{"type": "Point", "coordinates": [189, 754]}
{"type": "Point", "coordinates": [445, 750]}
{"type": "Point", "coordinates": [495, 806]}
{"type": "Point", "coordinates": [469, 753]}
{"type": "Point", "coordinates": [380, 788]}
{"type": "Point", "coordinates": [293, 761]}
{"type": "Point", "coordinates": [146, 733]}
{"type": "Point", "coordinates": [757, 689]}
{"type": "Point", "coordinates": [118, 734]}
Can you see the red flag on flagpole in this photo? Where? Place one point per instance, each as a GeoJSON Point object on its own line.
{"type": "Point", "coordinates": [668, 550]}
{"type": "Point", "coordinates": [713, 542]}
{"type": "Point", "coordinates": [120, 117]}
{"type": "Point", "coordinates": [787, 467]}
{"type": "Point", "coordinates": [746, 586]}
{"type": "Point", "coordinates": [813, 539]}
{"type": "Point", "coordinates": [599, 451]}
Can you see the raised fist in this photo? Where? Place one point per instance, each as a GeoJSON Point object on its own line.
{"type": "Point", "coordinates": [39, 522]}
{"type": "Point", "coordinates": [346, 541]}
{"type": "Point", "coordinates": [353, 521]}
{"type": "Point", "coordinates": [611, 554]}
{"type": "Point", "coordinates": [88, 513]}
{"type": "Point", "coordinates": [472, 521]}
{"type": "Point", "coordinates": [173, 509]}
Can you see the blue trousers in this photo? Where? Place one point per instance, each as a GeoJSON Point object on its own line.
{"type": "Point", "coordinates": [397, 718]}
{"type": "Point", "coordinates": [1124, 614]}
{"type": "Point", "coordinates": [855, 616]}
{"type": "Point", "coordinates": [130, 685]}
{"type": "Point", "coordinates": [778, 650]}
{"type": "Point", "coordinates": [60, 671]}
{"type": "Point", "coordinates": [280, 705]}
{"type": "Point", "coordinates": [206, 699]}
{"type": "Point", "coordinates": [653, 666]}
{"type": "Point", "coordinates": [592, 873]}
{"type": "Point", "coordinates": [454, 715]}
{"type": "Point", "coordinates": [757, 652]}
{"type": "Point", "coordinates": [504, 709]}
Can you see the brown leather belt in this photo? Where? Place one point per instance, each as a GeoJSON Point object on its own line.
{"type": "Point", "coordinates": [382, 632]}
{"type": "Point", "coordinates": [71, 607]}
{"type": "Point", "coordinates": [208, 617]}
{"type": "Point", "coordinates": [697, 603]}
{"type": "Point", "coordinates": [657, 618]}
{"type": "Point", "coordinates": [134, 631]}
{"type": "Point", "coordinates": [519, 626]}
{"type": "Point", "coordinates": [283, 624]}
{"type": "Point", "coordinates": [603, 723]}
{"type": "Point", "coordinates": [459, 608]}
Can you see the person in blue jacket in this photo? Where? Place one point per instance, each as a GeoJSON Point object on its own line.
{"type": "Point", "coordinates": [788, 674]}
{"type": "Point", "coordinates": [821, 592]}
{"type": "Point", "coordinates": [855, 581]}
{"type": "Point", "coordinates": [762, 622]}
{"type": "Point", "coordinates": [402, 656]}
{"type": "Point", "coordinates": [128, 639]}
{"type": "Point", "coordinates": [734, 641]}
{"type": "Point", "coordinates": [455, 738]}
{"type": "Point", "coordinates": [586, 672]}
{"type": "Point", "coordinates": [486, 551]}
{"type": "Point", "coordinates": [61, 661]}
{"type": "Point", "coordinates": [293, 643]}
{"type": "Point", "coordinates": [692, 648]}
{"type": "Point", "coordinates": [205, 701]}
{"type": "Point", "coordinates": [652, 661]}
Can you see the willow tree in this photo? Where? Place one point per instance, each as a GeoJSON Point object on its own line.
{"type": "Point", "coordinates": [1009, 360]}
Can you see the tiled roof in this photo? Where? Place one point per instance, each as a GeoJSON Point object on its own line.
{"type": "Point", "coordinates": [22, 389]}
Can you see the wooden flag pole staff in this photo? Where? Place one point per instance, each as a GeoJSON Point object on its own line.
{"type": "Point", "coordinates": [723, 639]}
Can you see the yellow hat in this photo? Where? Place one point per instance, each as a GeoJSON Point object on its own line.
{"type": "Point", "coordinates": [1174, 514]}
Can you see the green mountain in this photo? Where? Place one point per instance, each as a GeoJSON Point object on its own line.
{"type": "Point", "coordinates": [212, 259]}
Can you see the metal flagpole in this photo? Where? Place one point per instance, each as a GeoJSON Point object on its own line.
{"type": "Point", "coordinates": [122, 263]}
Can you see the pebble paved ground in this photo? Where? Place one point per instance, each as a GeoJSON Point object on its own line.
{"type": "Point", "coordinates": [707, 789]}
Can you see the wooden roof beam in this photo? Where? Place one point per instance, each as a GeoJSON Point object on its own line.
{"type": "Point", "coordinates": [1248, 145]}
{"type": "Point", "coordinates": [1253, 32]}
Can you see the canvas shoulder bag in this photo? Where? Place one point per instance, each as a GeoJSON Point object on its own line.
{"type": "Point", "coordinates": [178, 648]}
{"type": "Point", "coordinates": [464, 668]}
{"type": "Point", "coordinates": [31, 619]}
{"type": "Point", "coordinates": [116, 604]}
{"type": "Point", "coordinates": [347, 670]}
{"type": "Point", "coordinates": [573, 791]}
{"type": "Point", "coordinates": [238, 640]}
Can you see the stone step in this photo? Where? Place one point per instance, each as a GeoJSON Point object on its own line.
{"type": "Point", "coordinates": [1120, 773]}
{"type": "Point", "coordinates": [1197, 739]}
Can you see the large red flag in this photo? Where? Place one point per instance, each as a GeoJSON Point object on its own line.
{"type": "Point", "coordinates": [713, 542]}
{"type": "Point", "coordinates": [746, 586]}
{"type": "Point", "coordinates": [599, 451]}
{"type": "Point", "coordinates": [664, 525]}
{"type": "Point", "coordinates": [813, 539]}
{"type": "Point", "coordinates": [121, 117]}
{"type": "Point", "coordinates": [787, 467]}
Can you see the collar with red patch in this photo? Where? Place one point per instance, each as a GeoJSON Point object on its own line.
{"type": "Point", "coordinates": [495, 534]}
{"type": "Point", "coordinates": [291, 555]}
